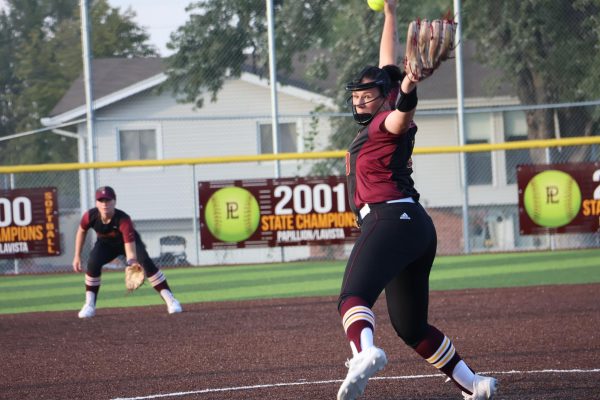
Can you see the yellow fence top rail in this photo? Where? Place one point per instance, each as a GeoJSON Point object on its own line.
{"type": "Point", "coordinates": [524, 144]}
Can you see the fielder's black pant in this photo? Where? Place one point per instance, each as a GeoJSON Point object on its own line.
{"type": "Point", "coordinates": [395, 252]}
{"type": "Point", "coordinates": [105, 251]}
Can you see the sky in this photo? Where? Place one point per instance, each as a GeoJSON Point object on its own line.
{"type": "Point", "coordinates": [158, 17]}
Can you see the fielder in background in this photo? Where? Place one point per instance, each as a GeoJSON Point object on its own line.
{"type": "Point", "coordinates": [116, 236]}
{"type": "Point", "coordinates": [397, 243]}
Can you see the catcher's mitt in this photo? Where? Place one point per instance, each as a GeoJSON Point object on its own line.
{"type": "Point", "coordinates": [427, 45]}
{"type": "Point", "coordinates": [134, 276]}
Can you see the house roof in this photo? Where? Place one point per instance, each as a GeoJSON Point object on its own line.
{"type": "Point", "coordinates": [110, 75]}
{"type": "Point", "coordinates": [115, 79]}
{"type": "Point", "coordinates": [478, 80]}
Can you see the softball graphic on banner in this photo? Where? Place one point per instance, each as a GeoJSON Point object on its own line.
{"type": "Point", "coordinates": [552, 198]}
{"type": "Point", "coordinates": [232, 214]}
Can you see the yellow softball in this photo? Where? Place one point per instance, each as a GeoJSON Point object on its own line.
{"type": "Point", "coordinates": [552, 198]}
{"type": "Point", "coordinates": [376, 5]}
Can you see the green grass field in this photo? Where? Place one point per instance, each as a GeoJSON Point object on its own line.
{"type": "Point", "coordinates": [30, 293]}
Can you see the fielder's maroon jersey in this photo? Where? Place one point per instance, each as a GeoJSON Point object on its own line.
{"type": "Point", "coordinates": [119, 229]}
{"type": "Point", "coordinates": [379, 164]}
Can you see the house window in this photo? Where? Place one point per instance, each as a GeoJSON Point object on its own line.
{"type": "Point", "coordinates": [515, 128]}
{"type": "Point", "coordinates": [137, 144]}
{"type": "Point", "coordinates": [478, 129]}
{"type": "Point", "coordinates": [288, 138]}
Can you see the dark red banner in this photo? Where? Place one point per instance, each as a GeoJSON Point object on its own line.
{"type": "Point", "coordinates": [275, 212]}
{"type": "Point", "coordinates": [559, 198]}
{"type": "Point", "coordinates": [29, 223]}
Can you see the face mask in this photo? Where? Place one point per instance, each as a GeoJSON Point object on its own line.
{"type": "Point", "coordinates": [364, 118]}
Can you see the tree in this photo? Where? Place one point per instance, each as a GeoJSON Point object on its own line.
{"type": "Point", "coordinates": [222, 36]}
{"type": "Point", "coordinates": [547, 52]}
{"type": "Point", "coordinates": [545, 48]}
{"type": "Point", "coordinates": [43, 49]}
{"type": "Point", "coordinates": [7, 77]}
{"type": "Point", "coordinates": [329, 40]}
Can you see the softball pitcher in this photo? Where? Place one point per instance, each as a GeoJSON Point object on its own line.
{"type": "Point", "coordinates": [116, 236]}
{"type": "Point", "coordinates": [397, 243]}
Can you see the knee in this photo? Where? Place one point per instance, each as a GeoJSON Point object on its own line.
{"type": "Point", "coordinates": [93, 270]}
{"type": "Point", "coordinates": [412, 335]}
{"type": "Point", "coordinates": [147, 263]}
{"type": "Point", "coordinates": [150, 268]}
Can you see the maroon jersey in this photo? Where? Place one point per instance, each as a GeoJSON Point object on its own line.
{"type": "Point", "coordinates": [119, 229]}
{"type": "Point", "coordinates": [393, 96]}
{"type": "Point", "coordinates": [379, 164]}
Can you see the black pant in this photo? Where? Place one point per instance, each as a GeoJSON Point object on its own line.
{"type": "Point", "coordinates": [105, 251]}
{"type": "Point", "coordinates": [395, 252]}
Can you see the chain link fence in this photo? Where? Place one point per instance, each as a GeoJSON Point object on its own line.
{"type": "Point", "coordinates": [167, 213]}
{"type": "Point", "coordinates": [531, 74]}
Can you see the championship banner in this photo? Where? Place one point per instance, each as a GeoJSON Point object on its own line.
{"type": "Point", "coordinates": [29, 223]}
{"type": "Point", "coordinates": [559, 198]}
{"type": "Point", "coordinates": [275, 212]}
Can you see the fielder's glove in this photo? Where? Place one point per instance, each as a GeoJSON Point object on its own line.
{"type": "Point", "coordinates": [427, 45]}
{"type": "Point", "coordinates": [134, 276]}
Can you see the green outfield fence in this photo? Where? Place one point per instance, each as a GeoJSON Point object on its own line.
{"type": "Point", "coordinates": [170, 208]}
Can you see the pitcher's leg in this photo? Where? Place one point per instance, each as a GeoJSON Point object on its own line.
{"type": "Point", "coordinates": [407, 298]}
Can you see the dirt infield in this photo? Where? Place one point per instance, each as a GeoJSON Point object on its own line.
{"type": "Point", "coordinates": [541, 342]}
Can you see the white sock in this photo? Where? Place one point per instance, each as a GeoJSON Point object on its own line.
{"type": "Point", "coordinates": [90, 298]}
{"type": "Point", "coordinates": [366, 338]}
{"type": "Point", "coordinates": [463, 375]}
{"type": "Point", "coordinates": [354, 350]}
{"type": "Point", "coordinates": [167, 295]}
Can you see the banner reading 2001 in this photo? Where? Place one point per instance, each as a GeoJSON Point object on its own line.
{"type": "Point", "coordinates": [275, 212]}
